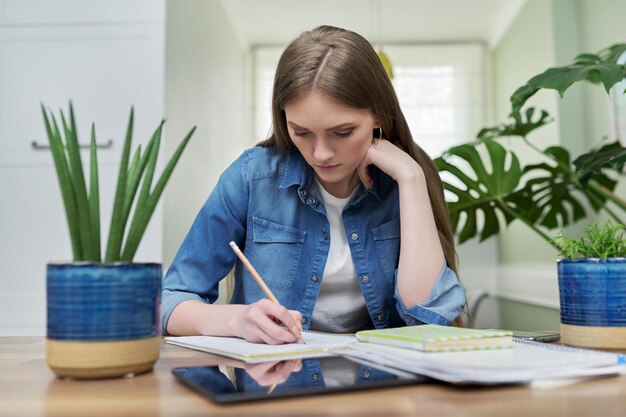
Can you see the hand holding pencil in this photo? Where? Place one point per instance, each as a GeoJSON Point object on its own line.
{"type": "Point", "coordinates": [281, 314]}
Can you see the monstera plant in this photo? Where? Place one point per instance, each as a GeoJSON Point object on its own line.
{"type": "Point", "coordinates": [489, 188]}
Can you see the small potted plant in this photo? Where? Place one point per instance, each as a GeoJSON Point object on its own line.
{"type": "Point", "coordinates": [592, 287]}
{"type": "Point", "coordinates": [103, 311]}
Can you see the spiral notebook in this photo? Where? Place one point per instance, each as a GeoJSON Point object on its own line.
{"type": "Point", "coordinates": [317, 344]}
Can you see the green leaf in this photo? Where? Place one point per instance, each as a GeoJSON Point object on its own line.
{"type": "Point", "coordinates": [145, 207]}
{"type": "Point", "coordinates": [80, 189]}
{"type": "Point", "coordinates": [135, 173]}
{"type": "Point", "coordinates": [587, 59]}
{"type": "Point", "coordinates": [65, 182]}
{"type": "Point", "coordinates": [611, 156]}
{"type": "Point", "coordinates": [94, 194]}
{"type": "Point", "coordinates": [604, 242]}
{"type": "Point", "coordinates": [613, 53]}
{"type": "Point", "coordinates": [116, 232]}
{"type": "Point", "coordinates": [146, 185]}
{"type": "Point", "coordinates": [521, 125]}
{"type": "Point", "coordinates": [586, 67]}
{"type": "Point", "coordinates": [554, 193]}
{"type": "Point", "coordinates": [480, 190]}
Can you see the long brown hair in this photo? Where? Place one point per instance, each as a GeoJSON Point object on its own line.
{"type": "Point", "coordinates": [343, 65]}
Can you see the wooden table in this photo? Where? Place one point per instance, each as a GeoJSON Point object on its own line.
{"type": "Point", "coordinates": [28, 388]}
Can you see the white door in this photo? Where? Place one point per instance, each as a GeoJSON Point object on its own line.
{"type": "Point", "coordinates": [105, 57]}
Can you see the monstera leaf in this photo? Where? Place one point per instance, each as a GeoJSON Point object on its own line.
{"type": "Point", "coordinates": [611, 156]}
{"type": "Point", "coordinates": [597, 69]}
{"type": "Point", "coordinates": [521, 125]}
{"type": "Point", "coordinates": [551, 189]}
{"type": "Point", "coordinates": [556, 191]}
{"type": "Point", "coordinates": [480, 190]}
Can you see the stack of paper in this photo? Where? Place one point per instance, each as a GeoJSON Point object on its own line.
{"type": "Point", "coordinates": [526, 362]}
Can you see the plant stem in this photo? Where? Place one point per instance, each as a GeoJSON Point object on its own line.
{"type": "Point", "coordinates": [528, 223]}
{"type": "Point", "coordinates": [607, 193]}
{"type": "Point", "coordinates": [613, 215]}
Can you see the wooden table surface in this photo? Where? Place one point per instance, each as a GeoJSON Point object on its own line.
{"type": "Point", "coordinates": [29, 388]}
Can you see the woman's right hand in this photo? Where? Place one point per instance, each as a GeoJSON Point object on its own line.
{"type": "Point", "coordinates": [272, 373]}
{"type": "Point", "coordinates": [260, 322]}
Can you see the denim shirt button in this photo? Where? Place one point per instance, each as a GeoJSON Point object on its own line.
{"type": "Point", "coordinates": [324, 235]}
{"type": "Point", "coordinates": [366, 374]}
{"type": "Point", "coordinates": [379, 317]}
{"type": "Point", "coordinates": [312, 200]}
{"type": "Point", "coordinates": [303, 193]}
{"type": "Point", "coordinates": [315, 376]}
{"type": "Point", "coordinates": [354, 236]}
{"type": "Point", "coordinates": [314, 278]}
{"type": "Point", "coordinates": [365, 279]}
{"type": "Point", "coordinates": [303, 320]}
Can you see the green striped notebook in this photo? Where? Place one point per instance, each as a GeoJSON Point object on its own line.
{"type": "Point", "coordinates": [435, 338]}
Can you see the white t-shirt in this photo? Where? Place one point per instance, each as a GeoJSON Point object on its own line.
{"type": "Point", "coordinates": [340, 306]}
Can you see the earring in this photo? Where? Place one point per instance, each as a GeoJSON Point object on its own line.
{"type": "Point", "coordinates": [380, 136]}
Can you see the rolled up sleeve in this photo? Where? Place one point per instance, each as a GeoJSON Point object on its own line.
{"type": "Point", "coordinates": [444, 304]}
{"type": "Point", "coordinates": [205, 257]}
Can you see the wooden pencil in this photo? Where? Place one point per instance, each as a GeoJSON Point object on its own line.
{"type": "Point", "coordinates": [258, 279]}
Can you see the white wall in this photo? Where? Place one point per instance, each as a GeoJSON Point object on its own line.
{"type": "Point", "coordinates": [205, 86]}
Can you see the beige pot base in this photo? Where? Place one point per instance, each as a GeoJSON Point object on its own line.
{"type": "Point", "coordinates": [91, 360]}
{"type": "Point", "coordinates": [594, 336]}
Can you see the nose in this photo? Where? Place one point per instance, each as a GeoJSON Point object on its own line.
{"type": "Point", "coordinates": [322, 150]}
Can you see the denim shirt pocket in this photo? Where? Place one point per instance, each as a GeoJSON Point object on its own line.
{"type": "Point", "coordinates": [387, 238]}
{"type": "Point", "coordinates": [275, 251]}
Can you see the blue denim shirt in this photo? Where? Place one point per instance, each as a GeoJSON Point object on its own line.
{"type": "Point", "coordinates": [268, 204]}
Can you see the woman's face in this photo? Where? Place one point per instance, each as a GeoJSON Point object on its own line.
{"type": "Point", "coordinates": [332, 138]}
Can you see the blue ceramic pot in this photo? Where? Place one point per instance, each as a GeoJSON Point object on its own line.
{"type": "Point", "coordinates": [593, 300]}
{"type": "Point", "coordinates": [102, 318]}
{"type": "Point", "coordinates": [593, 291]}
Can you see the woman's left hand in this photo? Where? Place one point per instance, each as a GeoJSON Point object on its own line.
{"type": "Point", "coordinates": [392, 160]}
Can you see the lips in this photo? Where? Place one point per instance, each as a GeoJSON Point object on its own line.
{"type": "Point", "coordinates": [326, 166]}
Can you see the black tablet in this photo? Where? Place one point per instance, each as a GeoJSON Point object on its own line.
{"type": "Point", "coordinates": [255, 382]}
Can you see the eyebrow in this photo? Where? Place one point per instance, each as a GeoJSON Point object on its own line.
{"type": "Point", "coordinates": [339, 126]}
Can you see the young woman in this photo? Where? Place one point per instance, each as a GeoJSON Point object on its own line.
{"type": "Point", "coordinates": [340, 212]}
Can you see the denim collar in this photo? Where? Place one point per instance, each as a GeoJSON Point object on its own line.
{"type": "Point", "coordinates": [299, 172]}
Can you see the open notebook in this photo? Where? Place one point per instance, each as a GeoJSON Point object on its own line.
{"type": "Point", "coordinates": [316, 345]}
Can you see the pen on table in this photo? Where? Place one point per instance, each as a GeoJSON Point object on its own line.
{"type": "Point", "coordinates": [258, 279]}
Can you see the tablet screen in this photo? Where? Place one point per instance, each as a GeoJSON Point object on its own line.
{"type": "Point", "coordinates": [265, 381]}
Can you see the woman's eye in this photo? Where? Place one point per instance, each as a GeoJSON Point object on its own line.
{"type": "Point", "coordinates": [345, 133]}
{"type": "Point", "coordinates": [300, 133]}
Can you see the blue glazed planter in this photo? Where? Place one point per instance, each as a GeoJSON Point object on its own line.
{"type": "Point", "coordinates": [593, 301]}
{"type": "Point", "coordinates": [103, 319]}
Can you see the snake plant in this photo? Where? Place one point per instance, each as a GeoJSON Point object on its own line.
{"type": "Point", "coordinates": [82, 203]}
